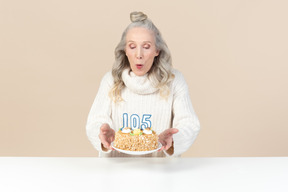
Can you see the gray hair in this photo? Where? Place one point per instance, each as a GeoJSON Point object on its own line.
{"type": "Point", "coordinates": [161, 70]}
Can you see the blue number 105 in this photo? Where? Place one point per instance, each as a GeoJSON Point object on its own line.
{"type": "Point", "coordinates": [135, 121]}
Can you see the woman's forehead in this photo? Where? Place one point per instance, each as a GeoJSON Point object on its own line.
{"type": "Point", "coordinates": [140, 34]}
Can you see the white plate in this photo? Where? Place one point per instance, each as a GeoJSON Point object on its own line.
{"type": "Point", "coordinates": [136, 152]}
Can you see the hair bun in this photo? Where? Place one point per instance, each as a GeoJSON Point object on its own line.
{"type": "Point", "coordinates": [137, 16]}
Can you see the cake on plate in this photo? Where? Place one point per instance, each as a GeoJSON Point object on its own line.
{"type": "Point", "coordinates": [136, 140]}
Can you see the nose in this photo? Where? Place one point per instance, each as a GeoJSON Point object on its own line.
{"type": "Point", "coordinates": [139, 54]}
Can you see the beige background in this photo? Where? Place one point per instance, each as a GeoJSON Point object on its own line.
{"type": "Point", "coordinates": [233, 55]}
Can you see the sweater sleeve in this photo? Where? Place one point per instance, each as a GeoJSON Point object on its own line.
{"type": "Point", "coordinates": [184, 117]}
{"type": "Point", "coordinates": [100, 112]}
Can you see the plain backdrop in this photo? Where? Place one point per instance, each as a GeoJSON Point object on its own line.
{"type": "Point", "coordinates": [233, 54]}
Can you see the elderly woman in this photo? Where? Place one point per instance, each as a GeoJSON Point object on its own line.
{"type": "Point", "coordinates": [143, 82]}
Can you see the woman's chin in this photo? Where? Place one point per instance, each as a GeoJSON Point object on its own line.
{"type": "Point", "coordinates": [139, 72]}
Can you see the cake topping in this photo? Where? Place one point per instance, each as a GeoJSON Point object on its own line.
{"type": "Point", "coordinates": [147, 130]}
{"type": "Point", "coordinates": [137, 132]}
{"type": "Point", "coordinates": [126, 130]}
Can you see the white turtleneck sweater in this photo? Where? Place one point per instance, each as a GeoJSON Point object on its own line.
{"type": "Point", "coordinates": [143, 106]}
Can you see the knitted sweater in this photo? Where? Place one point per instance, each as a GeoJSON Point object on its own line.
{"type": "Point", "coordinates": [142, 105]}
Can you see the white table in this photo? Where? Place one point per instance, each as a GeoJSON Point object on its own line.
{"type": "Point", "coordinates": [87, 174]}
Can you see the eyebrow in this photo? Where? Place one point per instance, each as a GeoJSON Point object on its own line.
{"type": "Point", "coordinates": [143, 42]}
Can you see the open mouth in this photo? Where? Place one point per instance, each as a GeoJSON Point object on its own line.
{"type": "Point", "coordinates": [139, 66]}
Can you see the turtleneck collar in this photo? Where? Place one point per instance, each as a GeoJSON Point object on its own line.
{"type": "Point", "coordinates": [138, 84]}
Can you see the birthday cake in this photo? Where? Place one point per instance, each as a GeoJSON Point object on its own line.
{"type": "Point", "coordinates": [136, 140]}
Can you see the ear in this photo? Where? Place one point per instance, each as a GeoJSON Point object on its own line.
{"type": "Point", "coordinates": [157, 53]}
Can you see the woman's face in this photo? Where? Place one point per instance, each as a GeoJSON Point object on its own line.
{"type": "Point", "coordinates": [140, 50]}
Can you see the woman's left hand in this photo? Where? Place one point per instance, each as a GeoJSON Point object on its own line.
{"type": "Point", "coordinates": [166, 138]}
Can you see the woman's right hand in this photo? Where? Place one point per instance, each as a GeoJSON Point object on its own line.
{"type": "Point", "coordinates": [107, 136]}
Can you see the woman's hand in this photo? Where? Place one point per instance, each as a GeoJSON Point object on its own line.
{"type": "Point", "coordinates": [107, 136]}
{"type": "Point", "coordinates": [166, 138]}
